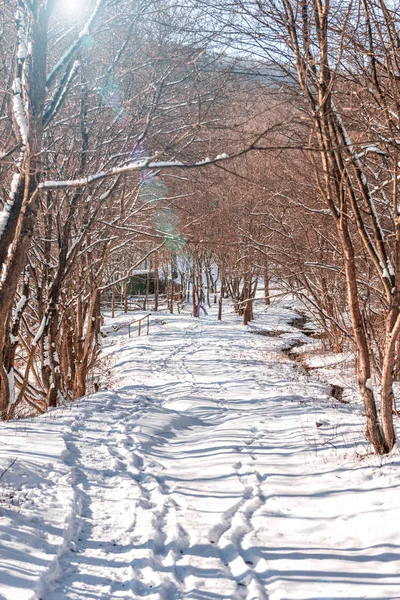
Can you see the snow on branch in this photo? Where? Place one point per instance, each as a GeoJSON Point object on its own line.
{"type": "Point", "coordinates": [22, 39]}
{"type": "Point", "coordinates": [18, 106]}
{"type": "Point", "coordinates": [5, 213]}
{"type": "Point", "coordinates": [19, 112]}
{"type": "Point", "coordinates": [61, 93]}
{"type": "Point", "coordinates": [19, 309]}
{"type": "Point", "coordinates": [70, 53]}
{"type": "Point", "coordinates": [6, 153]}
{"type": "Point", "coordinates": [40, 331]}
{"type": "Point", "coordinates": [131, 167]}
{"type": "Point", "coordinates": [377, 249]}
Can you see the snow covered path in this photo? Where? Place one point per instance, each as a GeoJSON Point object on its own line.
{"type": "Point", "coordinates": [202, 475]}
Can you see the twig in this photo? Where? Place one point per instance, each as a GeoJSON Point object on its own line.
{"type": "Point", "coordinates": [12, 463]}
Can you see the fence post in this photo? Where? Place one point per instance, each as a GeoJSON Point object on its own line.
{"type": "Point", "coordinates": [129, 329]}
{"type": "Point", "coordinates": [139, 325]}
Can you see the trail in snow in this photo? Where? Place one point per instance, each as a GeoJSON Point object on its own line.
{"type": "Point", "coordinates": [202, 475]}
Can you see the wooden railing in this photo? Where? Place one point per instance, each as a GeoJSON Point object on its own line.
{"type": "Point", "coordinates": [139, 324]}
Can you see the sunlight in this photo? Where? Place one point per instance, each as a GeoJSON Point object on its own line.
{"type": "Point", "coordinates": [71, 6]}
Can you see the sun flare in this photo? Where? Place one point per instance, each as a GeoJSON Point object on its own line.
{"type": "Point", "coordinates": [71, 6]}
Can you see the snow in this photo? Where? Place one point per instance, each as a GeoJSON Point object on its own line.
{"type": "Point", "coordinates": [61, 93]}
{"type": "Point", "coordinates": [72, 50]}
{"type": "Point", "coordinates": [390, 269]}
{"type": "Point", "coordinates": [20, 118]}
{"type": "Point", "coordinates": [22, 39]}
{"type": "Point", "coordinates": [5, 213]}
{"type": "Point", "coordinates": [4, 216]}
{"type": "Point", "coordinates": [335, 369]}
{"type": "Point", "coordinates": [138, 165]}
{"type": "Point", "coordinates": [40, 331]}
{"type": "Point", "coordinates": [11, 383]}
{"type": "Point", "coordinates": [132, 166]}
{"type": "Point", "coordinates": [20, 307]}
{"type": "Point", "coordinates": [369, 385]}
{"type": "Point", "coordinates": [375, 150]}
{"type": "Point", "coordinates": [14, 185]}
{"type": "Point", "coordinates": [212, 468]}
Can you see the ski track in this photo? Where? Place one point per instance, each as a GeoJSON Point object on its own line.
{"type": "Point", "coordinates": [192, 479]}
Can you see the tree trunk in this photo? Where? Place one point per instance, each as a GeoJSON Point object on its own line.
{"type": "Point", "coordinates": [247, 313]}
{"type": "Point", "coordinates": [125, 296]}
{"type": "Point", "coordinates": [222, 291]}
{"type": "Point", "coordinates": [266, 285]}
{"type": "Point", "coordinates": [374, 432]}
{"type": "Point", "coordinates": [146, 297]}
{"type": "Point", "coordinates": [113, 302]}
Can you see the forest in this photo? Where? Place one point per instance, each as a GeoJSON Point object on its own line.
{"type": "Point", "coordinates": [199, 217]}
{"type": "Point", "coordinates": [258, 137]}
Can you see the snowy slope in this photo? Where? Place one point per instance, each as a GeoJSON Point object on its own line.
{"type": "Point", "coordinates": [201, 475]}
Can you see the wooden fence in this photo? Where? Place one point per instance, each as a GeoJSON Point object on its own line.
{"type": "Point", "coordinates": [139, 324]}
